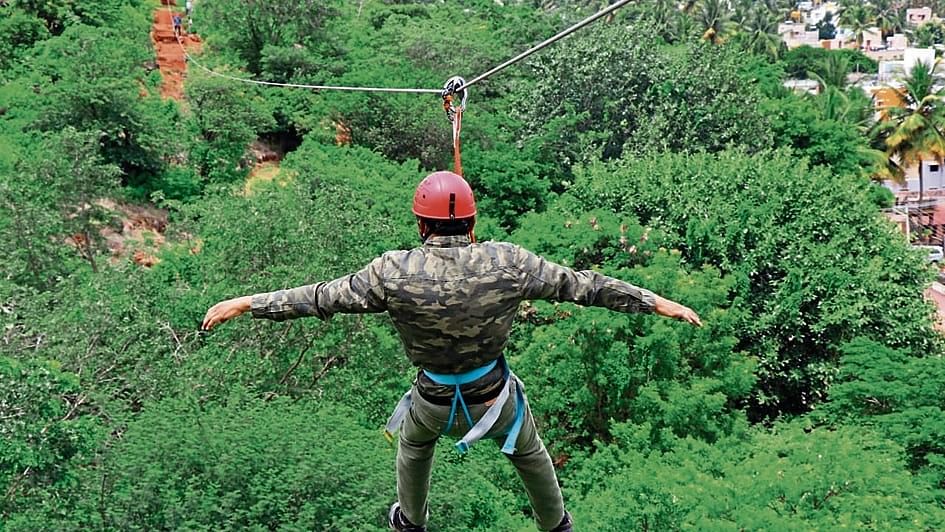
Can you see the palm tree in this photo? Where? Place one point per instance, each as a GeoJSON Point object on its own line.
{"type": "Point", "coordinates": [858, 19]}
{"type": "Point", "coordinates": [662, 15]}
{"type": "Point", "coordinates": [683, 28]}
{"type": "Point", "coordinates": [928, 34]}
{"type": "Point", "coordinates": [759, 27]}
{"type": "Point", "coordinates": [831, 71]}
{"type": "Point", "coordinates": [889, 20]}
{"type": "Point", "coordinates": [714, 18]}
{"type": "Point", "coordinates": [916, 129]}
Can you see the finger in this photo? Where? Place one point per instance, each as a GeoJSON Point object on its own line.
{"type": "Point", "coordinates": [211, 320]}
{"type": "Point", "coordinates": [210, 317]}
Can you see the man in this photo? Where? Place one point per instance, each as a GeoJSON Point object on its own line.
{"type": "Point", "coordinates": [176, 19]}
{"type": "Point", "coordinates": [453, 302]}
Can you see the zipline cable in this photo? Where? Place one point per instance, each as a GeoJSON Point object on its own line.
{"type": "Point", "coordinates": [546, 42]}
{"type": "Point", "coordinates": [551, 40]}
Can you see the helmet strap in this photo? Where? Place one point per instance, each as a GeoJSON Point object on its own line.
{"type": "Point", "coordinates": [425, 231]}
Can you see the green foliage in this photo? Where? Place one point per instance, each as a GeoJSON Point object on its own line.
{"type": "Point", "coordinates": [18, 32]}
{"type": "Point", "coordinates": [900, 395]}
{"type": "Point", "coordinates": [789, 479]}
{"type": "Point", "coordinates": [798, 62]}
{"type": "Point", "coordinates": [31, 229]}
{"type": "Point", "coordinates": [590, 366]}
{"type": "Point", "coordinates": [255, 25]}
{"type": "Point", "coordinates": [615, 90]}
{"type": "Point", "coordinates": [46, 432]}
{"type": "Point", "coordinates": [272, 465]}
{"type": "Point", "coordinates": [881, 196]}
{"type": "Point", "coordinates": [46, 202]}
{"type": "Point", "coordinates": [117, 414]}
{"type": "Point", "coordinates": [62, 14]}
{"type": "Point", "coordinates": [803, 125]}
{"type": "Point", "coordinates": [814, 265]}
{"type": "Point", "coordinates": [275, 465]}
{"type": "Point", "coordinates": [226, 118]}
{"type": "Point", "coordinates": [104, 95]}
{"type": "Point", "coordinates": [767, 76]}
{"type": "Point", "coordinates": [929, 34]}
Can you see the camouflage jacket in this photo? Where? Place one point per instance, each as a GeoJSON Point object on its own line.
{"type": "Point", "coordinates": [452, 302]}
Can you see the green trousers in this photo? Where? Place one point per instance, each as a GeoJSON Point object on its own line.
{"type": "Point", "coordinates": [419, 432]}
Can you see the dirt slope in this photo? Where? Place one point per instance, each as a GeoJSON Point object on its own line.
{"type": "Point", "coordinates": [170, 56]}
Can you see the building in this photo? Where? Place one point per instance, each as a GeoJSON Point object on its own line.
{"type": "Point", "coordinates": [892, 49]}
{"type": "Point", "coordinates": [898, 41]}
{"type": "Point", "coordinates": [819, 12]}
{"type": "Point", "coordinates": [916, 16]}
{"type": "Point", "coordinates": [914, 56]}
{"type": "Point", "coordinates": [896, 69]}
{"type": "Point", "coordinates": [796, 34]}
{"type": "Point", "coordinates": [802, 86]}
{"type": "Point", "coordinates": [933, 178]}
{"type": "Point", "coordinates": [873, 39]}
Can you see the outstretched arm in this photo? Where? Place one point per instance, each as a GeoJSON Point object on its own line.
{"type": "Point", "coordinates": [543, 279]}
{"type": "Point", "coordinates": [359, 292]}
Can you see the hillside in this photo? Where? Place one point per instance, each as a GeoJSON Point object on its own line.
{"type": "Point", "coordinates": [138, 189]}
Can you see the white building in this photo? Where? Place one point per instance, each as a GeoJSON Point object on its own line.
{"type": "Point", "coordinates": [818, 13]}
{"type": "Point", "coordinates": [916, 16]}
{"type": "Point", "coordinates": [933, 177]}
{"type": "Point", "coordinates": [796, 34]}
{"type": "Point", "coordinates": [802, 86]}
{"type": "Point", "coordinates": [898, 69]}
{"type": "Point", "coordinates": [898, 41]}
{"type": "Point", "coordinates": [913, 56]}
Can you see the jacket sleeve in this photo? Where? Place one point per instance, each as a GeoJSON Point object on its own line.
{"type": "Point", "coordinates": [543, 279]}
{"type": "Point", "coordinates": [356, 293]}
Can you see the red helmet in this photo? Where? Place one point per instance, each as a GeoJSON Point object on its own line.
{"type": "Point", "coordinates": [444, 196]}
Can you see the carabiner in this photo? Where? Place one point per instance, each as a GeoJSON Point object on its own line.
{"type": "Point", "coordinates": [449, 90]}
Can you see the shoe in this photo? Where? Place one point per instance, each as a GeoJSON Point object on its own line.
{"type": "Point", "coordinates": [399, 522]}
{"type": "Point", "coordinates": [564, 525]}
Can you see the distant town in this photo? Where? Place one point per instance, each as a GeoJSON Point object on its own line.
{"type": "Point", "coordinates": [897, 41]}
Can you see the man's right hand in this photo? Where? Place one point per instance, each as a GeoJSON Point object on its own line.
{"type": "Point", "coordinates": [226, 310]}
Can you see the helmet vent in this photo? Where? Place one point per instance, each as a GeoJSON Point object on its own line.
{"type": "Point", "coordinates": [452, 205]}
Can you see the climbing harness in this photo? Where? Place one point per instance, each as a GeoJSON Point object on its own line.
{"type": "Point", "coordinates": [479, 429]}
{"type": "Point", "coordinates": [454, 113]}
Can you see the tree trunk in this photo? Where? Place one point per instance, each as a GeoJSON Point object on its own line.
{"type": "Point", "coordinates": [921, 182]}
{"type": "Point", "coordinates": [89, 252]}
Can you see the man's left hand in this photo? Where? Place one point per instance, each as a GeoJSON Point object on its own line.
{"type": "Point", "coordinates": [672, 309]}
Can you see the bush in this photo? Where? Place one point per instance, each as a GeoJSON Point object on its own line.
{"type": "Point", "coordinates": [814, 265]}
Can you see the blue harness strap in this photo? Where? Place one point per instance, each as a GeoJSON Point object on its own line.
{"type": "Point", "coordinates": [457, 380]}
{"type": "Point", "coordinates": [488, 420]}
{"type": "Point", "coordinates": [520, 402]}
